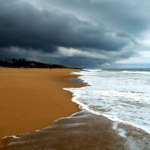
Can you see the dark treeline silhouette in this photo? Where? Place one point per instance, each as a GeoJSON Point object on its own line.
{"type": "Point", "coordinates": [22, 63]}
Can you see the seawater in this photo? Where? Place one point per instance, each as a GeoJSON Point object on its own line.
{"type": "Point", "coordinates": [121, 95]}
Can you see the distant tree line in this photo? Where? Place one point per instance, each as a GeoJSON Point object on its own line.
{"type": "Point", "coordinates": [22, 63]}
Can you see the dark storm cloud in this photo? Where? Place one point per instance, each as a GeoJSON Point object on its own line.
{"type": "Point", "coordinates": [43, 26]}
{"type": "Point", "coordinates": [124, 16]}
{"type": "Point", "coordinates": [25, 26]}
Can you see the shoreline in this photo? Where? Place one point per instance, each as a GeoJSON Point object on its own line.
{"type": "Point", "coordinates": [67, 132]}
{"type": "Point", "coordinates": [39, 107]}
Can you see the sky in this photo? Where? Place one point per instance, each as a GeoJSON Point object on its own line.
{"type": "Point", "coordinates": [77, 33]}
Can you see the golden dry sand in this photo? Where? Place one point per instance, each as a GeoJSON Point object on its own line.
{"type": "Point", "coordinates": [32, 99]}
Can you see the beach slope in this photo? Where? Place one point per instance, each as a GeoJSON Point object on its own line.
{"type": "Point", "coordinates": [32, 99]}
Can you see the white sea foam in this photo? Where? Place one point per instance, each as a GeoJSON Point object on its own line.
{"type": "Point", "coordinates": [136, 72]}
{"type": "Point", "coordinates": [13, 136]}
{"type": "Point", "coordinates": [120, 96]}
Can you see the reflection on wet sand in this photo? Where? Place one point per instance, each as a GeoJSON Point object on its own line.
{"type": "Point", "coordinates": [82, 131]}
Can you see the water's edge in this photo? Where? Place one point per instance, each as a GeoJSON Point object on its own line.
{"type": "Point", "coordinates": [95, 129]}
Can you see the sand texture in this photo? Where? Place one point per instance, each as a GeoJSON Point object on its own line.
{"type": "Point", "coordinates": [32, 99]}
{"type": "Point", "coordinates": [82, 131]}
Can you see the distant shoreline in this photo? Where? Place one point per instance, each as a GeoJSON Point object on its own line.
{"type": "Point", "coordinates": [22, 63]}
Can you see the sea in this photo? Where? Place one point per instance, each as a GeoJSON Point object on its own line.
{"type": "Point", "coordinates": [115, 115]}
{"type": "Point", "coordinates": [121, 95]}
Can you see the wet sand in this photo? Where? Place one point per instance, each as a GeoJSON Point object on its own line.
{"type": "Point", "coordinates": [82, 131]}
{"type": "Point", "coordinates": [32, 99]}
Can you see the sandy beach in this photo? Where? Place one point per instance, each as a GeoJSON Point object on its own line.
{"type": "Point", "coordinates": [34, 106]}
{"type": "Point", "coordinates": [31, 99]}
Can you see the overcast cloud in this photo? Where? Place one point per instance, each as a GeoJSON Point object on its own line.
{"type": "Point", "coordinates": [80, 33]}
